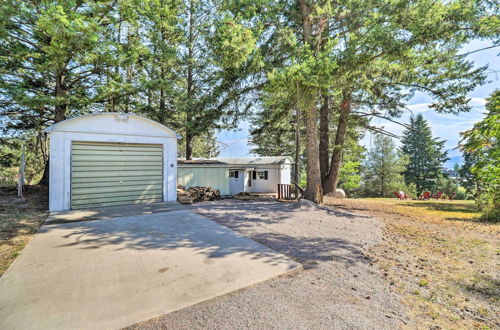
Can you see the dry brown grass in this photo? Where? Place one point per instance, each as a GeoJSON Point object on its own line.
{"type": "Point", "coordinates": [19, 220]}
{"type": "Point", "coordinates": [441, 260]}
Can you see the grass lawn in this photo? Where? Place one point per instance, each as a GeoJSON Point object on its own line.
{"type": "Point", "coordinates": [19, 220]}
{"type": "Point", "coordinates": [441, 260]}
{"type": "Point", "coordinates": [437, 209]}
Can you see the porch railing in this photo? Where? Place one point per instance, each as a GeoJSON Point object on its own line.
{"type": "Point", "coordinates": [285, 191]}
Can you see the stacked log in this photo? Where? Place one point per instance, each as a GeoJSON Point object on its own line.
{"type": "Point", "coordinates": [183, 196]}
{"type": "Point", "coordinates": [199, 194]}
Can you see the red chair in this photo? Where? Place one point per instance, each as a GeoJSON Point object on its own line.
{"type": "Point", "coordinates": [398, 195]}
{"type": "Point", "coordinates": [450, 197]}
{"type": "Point", "coordinates": [426, 195]}
{"type": "Point", "coordinates": [438, 195]}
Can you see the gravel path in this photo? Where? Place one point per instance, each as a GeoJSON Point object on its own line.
{"type": "Point", "coordinates": [339, 287]}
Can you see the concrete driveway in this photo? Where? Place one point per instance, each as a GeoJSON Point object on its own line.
{"type": "Point", "coordinates": [117, 272]}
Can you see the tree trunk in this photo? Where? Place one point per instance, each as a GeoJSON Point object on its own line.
{"type": "Point", "coordinates": [313, 190]}
{"type": "Point", "coordinates": [162, 96]}
{"type": "Point", "coordinates": [332, 178]}
{"type": "Point", "coordinates": [189, 145]}
{"type": "Point", "coordinates": [189, 120]}
{"type": "Point", "coordinates": [297, 148]}
{"type": "Point", "coordinates": [324, 137]}
{"type": "Point", "coordinates": [60, 111]}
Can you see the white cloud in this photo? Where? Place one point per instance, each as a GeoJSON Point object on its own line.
{"type": "Point", "coordinates": [475, 102]}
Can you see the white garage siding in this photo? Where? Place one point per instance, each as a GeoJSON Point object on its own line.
{"type": "Point", "coordinates": [111, 159]}
{"type": "Point", "coordinates": [105, 174]}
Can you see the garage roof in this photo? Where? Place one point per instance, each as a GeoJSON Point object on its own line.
{"type": "Point", "coordinates": [240, 161]}
{"type": "Point", "coordinates": [113, 123]}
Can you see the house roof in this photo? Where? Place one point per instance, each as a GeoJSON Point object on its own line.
{"type": "Point", "coordinates": [240, 161]}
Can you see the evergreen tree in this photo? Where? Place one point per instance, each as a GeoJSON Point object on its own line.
{"type": "Point", "coordinates": [425, 154]}
{"type": "Point", "coordinates": [483, 143]}
{"type": "Point", "coordinates": [53, 55]}
{"type": "Point", "coordinates": [383, 167]}
{"type": "Point", "coordinates": [370, 58]}
{"type": "Point", "coordinates": [446, 185]}
{"type": "Point", "coordinates": [468, 179]}
{"type": "Point", "coordinates": [350, 167]}
{"type": "Point", "coordinates": [204, 146]}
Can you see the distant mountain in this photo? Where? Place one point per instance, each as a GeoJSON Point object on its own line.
{"type": "Point", "coordinates": [450, 163]}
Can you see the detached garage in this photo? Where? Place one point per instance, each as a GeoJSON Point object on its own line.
{"type": "Point", "coordinates": [108, 159]}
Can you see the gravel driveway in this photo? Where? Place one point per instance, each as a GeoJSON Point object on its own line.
{"type": "Point", "coordinates": [339, 287]}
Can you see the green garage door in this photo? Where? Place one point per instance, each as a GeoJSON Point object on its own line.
{"type": "Point", "coordinates": [105, 174]}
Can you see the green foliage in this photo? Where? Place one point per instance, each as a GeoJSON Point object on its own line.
{"type": "Point", "coordinates": [204, 146]}
{"type": "Point", "coordinates": [425, 155]}
{"type": "Point", "coordinates": [10, 158]}
{"type": "Point", "coordinates": [184, 64]}
{"type": "Point", "coordinates": [482, 142]}
{"type": "Point", "coordinates": [468, 179]}
{"type": "Point", "coordinates": [373, 55]}
{"type": "Point", "coordinates": [382, 169]}
{"type": "Point", "coordinates": [201, 65]}
{"type": "Point", "coordinates": [350, 168]}
{"type": "Point", "coordinates": [52, 57]}
{"type": "Point", "coordinates": [234, 43]}
{"type": "Point", "coordinates": [446, 185]}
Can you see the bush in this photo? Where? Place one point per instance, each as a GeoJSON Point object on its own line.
{"type": "Point", "coordinates": [490, 215]}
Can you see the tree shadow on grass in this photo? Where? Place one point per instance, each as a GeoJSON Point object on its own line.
{"type": "Point", "coordinates": [485, 286]}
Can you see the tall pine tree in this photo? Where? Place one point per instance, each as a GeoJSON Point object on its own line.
{"type": "Point", "coordinates": [425, 153]}
{"type": "Point", "coordinates": [383, 168]}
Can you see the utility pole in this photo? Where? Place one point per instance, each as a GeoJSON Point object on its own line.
{"type": "Point", "coordinates": [20, 176]}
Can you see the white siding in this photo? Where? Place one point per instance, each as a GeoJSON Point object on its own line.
{"type": "Point", "coordinates": [286, 174]}
{"type": "Point", "coordinates": [270, 185]}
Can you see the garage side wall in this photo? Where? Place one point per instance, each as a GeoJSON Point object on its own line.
{"type": "Point", "coordinates": [217, 178]}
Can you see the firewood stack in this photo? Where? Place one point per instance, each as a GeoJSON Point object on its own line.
{"type": "Point", "coordinates": [183, 196]}
{"type": "Point", "coordinates": [199, 194]}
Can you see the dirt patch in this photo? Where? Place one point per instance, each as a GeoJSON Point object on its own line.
{"type": "Point", "coordinates": [20, 218]}
{"type": "Point", "coordinates": [339, 288]}
{"type": "Point", "coordinates": [439, 258]}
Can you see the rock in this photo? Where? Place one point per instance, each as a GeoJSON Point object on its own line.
{"type": "Point", "coordinates": [340, 193]}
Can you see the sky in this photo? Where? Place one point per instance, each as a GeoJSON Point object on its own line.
{"type": "Point", "coordinates": [445, 126]}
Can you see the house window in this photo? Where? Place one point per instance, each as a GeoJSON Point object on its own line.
{"type": "Point", "coordinates": [262, 175]}
{"type": "Point", "coordinates": [233, 174]}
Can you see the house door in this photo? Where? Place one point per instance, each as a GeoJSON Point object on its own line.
{"type": "Point", "coordinates": [236, 181]}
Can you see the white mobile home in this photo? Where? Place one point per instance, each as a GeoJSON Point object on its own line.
{"type": "Point", "coordinates": [233, 175]}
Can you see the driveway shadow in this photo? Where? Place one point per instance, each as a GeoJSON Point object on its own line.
{"type": "Point", "coordinates": [164, 231]}
{"type": "Point", "coordinates": [256, 219]}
